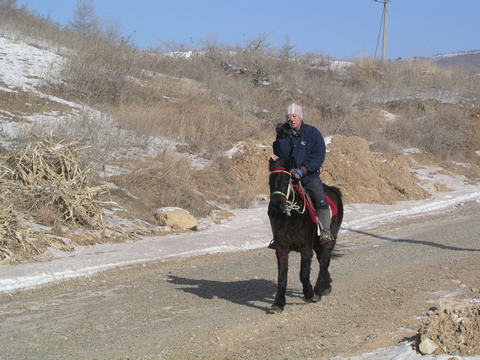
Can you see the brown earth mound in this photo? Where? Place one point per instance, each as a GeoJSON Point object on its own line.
{"type": "Point", "coordinates": [362, 176]}
{"type": "Point", "coordinates": [454, 329]}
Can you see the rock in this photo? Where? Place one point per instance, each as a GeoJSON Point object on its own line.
{"type": "Point", "coordinates": [221, 215]}
{"type": "Point", "coordinates": [427, 346]}
{"type": "Point", "coordinates": [5, 259]}
{"type": "Point", "coordinates": [176, 218]}
{"type": "Point", "coordinates": [106, 233]}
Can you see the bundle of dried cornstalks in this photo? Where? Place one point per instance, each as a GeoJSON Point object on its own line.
{"type": "Point", "coordinates": [18, 243]}
{"type": "Point", "coordinates": [12, 234]}
{"type": "Point", "coordinates": [49, 174]}
{"type": "Point", "coordinates": [46, 175]}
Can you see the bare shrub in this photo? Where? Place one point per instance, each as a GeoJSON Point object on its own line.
{"type": "Point", "coordinates": [447, 132]}
{"type": "Point", "coordinates": [420, 80]}
{"type": "Point", "coordinates": [161, 182]}
{"type": "Point", "coordinates": [364, 72]}
{"type": "Point", "coordinates": [97, 131]}
{"type": "Point", "coordinates": [170, 180]}
{"type": "Point", "coordinates": [98, 72]}
{"type": "Point", "coordinates": [189, 113]}
{"type": "Point", "coordinates": [20, 20]}
{"type": "Point", "coordinates": [219, 185]}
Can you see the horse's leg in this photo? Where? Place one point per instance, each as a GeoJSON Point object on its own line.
{"type": "Point", "coordinates": [305, 268]}
{"type": "Point", "coordinates": [282, 264]}
{"type": "Point", "coordinates": [323, 285]}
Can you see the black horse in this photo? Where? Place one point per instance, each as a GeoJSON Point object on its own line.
{"type": "Point", "coordinates": [294, 229]}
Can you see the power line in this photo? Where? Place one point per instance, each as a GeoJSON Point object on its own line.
{"type": "Point", "coordinates": [384, 20]}
{"type": "Point", "coordinates": [378, 37]}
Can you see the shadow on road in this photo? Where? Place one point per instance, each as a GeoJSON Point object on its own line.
{"type": "Point", "coordinates": [242, 292]}
{"type": "Point", "coordinates": [416, 242]}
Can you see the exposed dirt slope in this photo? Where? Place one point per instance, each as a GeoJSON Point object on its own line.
{"type": "Point", "coordinates": [363, 177]}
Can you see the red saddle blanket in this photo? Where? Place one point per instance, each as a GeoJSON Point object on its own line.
{"type": "Point", "coordinates": [310, 209]}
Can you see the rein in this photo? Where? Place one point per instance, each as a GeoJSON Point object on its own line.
{"type": "Point", "coordinates": [290, 204]}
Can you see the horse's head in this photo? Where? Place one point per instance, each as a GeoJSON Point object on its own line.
{"type": "Point", "coordinates": [280, 182]}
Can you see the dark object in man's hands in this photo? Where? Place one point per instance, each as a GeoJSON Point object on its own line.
{"type": "Point", "coordinates": [287, 126]}
{"type": "Point", "coordinates": [283, 129]}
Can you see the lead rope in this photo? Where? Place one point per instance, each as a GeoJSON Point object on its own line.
{"type": "Point", "coordinates": [291, 205]}
{"type": "Point", "coordinates": [307, 198]}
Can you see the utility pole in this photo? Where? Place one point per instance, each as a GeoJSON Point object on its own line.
{"type": "Point", "coordinates": [385, 18]}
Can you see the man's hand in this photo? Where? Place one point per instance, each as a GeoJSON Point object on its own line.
{"type": "Point", "coordinates": [298, 173]}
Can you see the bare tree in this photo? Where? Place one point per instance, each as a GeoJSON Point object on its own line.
{"type": "Point", "coordinates": [287, 49]}
{"type": "Point", "coordinates": [84, 20]}
{"type": "Point", "coordinates": [12, 3]}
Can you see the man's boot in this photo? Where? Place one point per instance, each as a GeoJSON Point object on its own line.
{"type": "Point", "coordinates": [325, 221]}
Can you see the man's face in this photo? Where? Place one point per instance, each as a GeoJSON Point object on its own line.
{"type": "Point", "coordinates": [296, 121]}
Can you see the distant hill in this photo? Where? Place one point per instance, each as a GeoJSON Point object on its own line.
{"type": "Point", "coordinates": [467, 58]}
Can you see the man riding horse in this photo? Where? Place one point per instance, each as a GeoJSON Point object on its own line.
{"type": "Point", "coordinates": [306, 146]}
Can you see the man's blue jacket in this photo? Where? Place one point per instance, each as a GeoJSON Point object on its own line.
{"type": "Point", "coordinates": [306, 147]}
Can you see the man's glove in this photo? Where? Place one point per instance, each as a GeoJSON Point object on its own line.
{"type": "Point", "coordinates": [298, 173]}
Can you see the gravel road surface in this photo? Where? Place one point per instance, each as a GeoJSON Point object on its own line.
{"type": "Point", "coordinates": [214, 307]}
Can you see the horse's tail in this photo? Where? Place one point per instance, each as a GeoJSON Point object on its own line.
{"type": "Point", "coordinates": [335, 190]}
{"type": "Point", "coordinates": [337, 199]}
{"type": "Point", "coordinates": [335, 194]}
{"type": "Point", "coordinates": [336, 253]}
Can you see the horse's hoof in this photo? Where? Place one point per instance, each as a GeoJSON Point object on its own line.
{"type": "Point", "coordinates": [327, 291]}
{"type": "Point", "coordinates": [275, 310]}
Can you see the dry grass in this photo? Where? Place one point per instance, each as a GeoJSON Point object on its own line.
{"type": "Point", "coordinates": [162, 182]}
{"type": "Point", "coordinates": [446, 131]}
{"type": "Point", "coordinates": [233, 94]}
{"type": "Point", "coordinates": [170, 180]}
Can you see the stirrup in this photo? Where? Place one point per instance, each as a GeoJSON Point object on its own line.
{"type": "Point", "coordinates": [325, 237]}
{"type": "Point", "coordinates": [272, 245]}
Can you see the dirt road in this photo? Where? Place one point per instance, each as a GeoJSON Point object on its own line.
{"type": "Point", "coordinates": [214, 307]}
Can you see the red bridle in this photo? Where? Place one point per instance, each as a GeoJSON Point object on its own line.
{"type": "Point", "coordinates": [282, 170]}
{"type": "Point", "coordinates": [290, 203]}
{"type": "Point", "coordinates": [279, 169]}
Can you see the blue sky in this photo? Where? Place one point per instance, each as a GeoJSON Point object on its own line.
{"type": "Point", "coordinates": [342, 29]}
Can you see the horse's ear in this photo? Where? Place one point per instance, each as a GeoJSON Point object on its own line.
{"type": "Point", "coordinates": [271, 163]}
